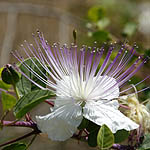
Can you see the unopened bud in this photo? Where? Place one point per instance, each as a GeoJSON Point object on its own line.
{"type": "Point", "coordinates": [75, 35]}
{"type": "Point", "coordinates": [9, 75]}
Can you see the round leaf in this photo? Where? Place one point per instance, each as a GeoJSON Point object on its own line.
{"type": "Point", "coordinates": [105, 138]}
{"type": "Point", "coordinates": [121, 135]}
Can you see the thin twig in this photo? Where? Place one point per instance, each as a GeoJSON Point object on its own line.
{"type": "Point", "coordinates": [37, 131]}
{"type": "Point", "coordinates": [20, 138]}
{"type": "Point", "coordinates": [32, 140]}
{"type": "Point", "coordinates": [3, 117]}
{"type": "Point", "coordinates": [50, 103]}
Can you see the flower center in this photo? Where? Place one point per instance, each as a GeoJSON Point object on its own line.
{"type": "Point", "coordinates": [72, 87]}
{"type": "Point", "coordinates": [101, 88]}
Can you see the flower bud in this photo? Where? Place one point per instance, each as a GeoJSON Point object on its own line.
{"type": "Point", "coordinates": [75, 35]}
{"type": "Point", "coordinates": [9, 75]}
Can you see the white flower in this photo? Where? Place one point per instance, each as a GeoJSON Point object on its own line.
{"type": "Point", "coordinates": [82, 88]}
{"type": "Point", "coordinates": [68, 113]}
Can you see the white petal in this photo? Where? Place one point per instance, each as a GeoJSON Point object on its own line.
{"type": "Point", "coordinates": [62, 101]}
{"type": "Point", "coordinates": [63, 87]}
{"type": "Point", "coordinates": [108, 114]}
{"type": "Point", "coordinates": [70, 86]}
{"type": "Point", "coordinates": [62, 123]}
{"type": "Point", "coordinates": [105, 88]}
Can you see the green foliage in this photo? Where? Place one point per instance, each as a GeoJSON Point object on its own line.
{"type": "Point", "coordinates": [92, 126]}
{"type": "Point", "coordinates": [147, 52]}
{"type": "Point", "coordinates": [8, 101]}
{"type": "Point", "coordinates": [105, 138]}
{"type": "Point", "coordinates": [101, 36]}
{"type": "Point", "coordinates": [146, 143]}
{"type": "Point", "coordinates": [96, 13]}
{"type": "Point", "coordinates": [83, 124]}
{"type": "Point", "coordinates": [25, 86]}
{"type": "Point", "coordinates": [103, 23]}
{"type": "Point", "coordinates": [129, 29]}
{"type": "Point", "coordinates": [93, 129]}
{"type": "Point", "coordinates": [121, 135]}
{"type": "Point", "coordinates": [4, 86]}
{"type": "Point", "coordinates": [135, 80]}
{"type": "Point", "coordinates": [1, 69]}
{"type": "Point", "coordinates": [15, 146]}
{"type": "Point", "coordinates": [92, 138]}
{"type": "Point", "coordinates": [30, 100]}
{"type": "Point", "coordinates": [145, 94]}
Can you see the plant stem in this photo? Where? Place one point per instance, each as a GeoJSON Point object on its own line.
{"type": "Point", "coordinates": [20, 138]}
{"type": "Point", "coordinates": [3, 117]}
{"type": "Point", "coordinates": [124, 106]}
{"type": "Point", "coordinates": [37, 131]}
{"type": "Point", "coordinates": [50, 103]}
{"type": "Point", "coordinates": [20, 124]}
{"type": "Point", "coordinates": [16, 91]}
{"type": "Point", "coordinates": [32, 140]}
{"type": "Point", "coordinates": [122, 147]}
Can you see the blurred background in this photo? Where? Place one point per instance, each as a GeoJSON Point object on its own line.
{"type": "Point", "coordinates": [94, 20]}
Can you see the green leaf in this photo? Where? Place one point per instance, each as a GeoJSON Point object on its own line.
{"type": "Point", "coordinates": [30, 100]}
{"type": "Point", "coordinates": [25, 86]}
{"type": "Point", "coordinates": [101, 36]}
{"type": "Point", "coordinates": [121, 135]}
{"type": "Point", "coordinates": [146, 143]}
{"type": "Point", "coordinates": [92, 127]}
{"type": "Point", "coordinates": [92, 138]}
{"type": "Point", "coordinates": [1, 69]}
{"type": "Point", "coordinates": [147, 52]}
{"type": "Point", "coordinates": [15, 146]}
{"type": "Point", "coordinates": [96, 13]}
{"type": "Point", "coordinates": [105, 138]}
{"type": "Point", "coordinates": [103, 23]}
{"type": "Point", "coordinates": [83, 124]}
{"type": "Point", "coordinates": [129, 29]}
{"type": "Point", "coordinates": [8, 101]}
{"type": "Point", "coordinates": [4, 86]}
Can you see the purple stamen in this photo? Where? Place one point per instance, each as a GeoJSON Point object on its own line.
{"type": "Point", "coordinates": [79, 68]}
